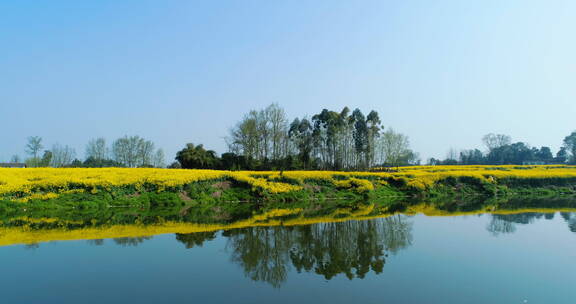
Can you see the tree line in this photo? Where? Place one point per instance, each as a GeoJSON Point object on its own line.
{"type": "Point", "coordinates": [500, 150]}
{"type": "Point", "coordinates": [330, 140]}
{"type": "Point", "coordinates": [266, 139]}
{"type": "Point", "coordinates": [127, 151]}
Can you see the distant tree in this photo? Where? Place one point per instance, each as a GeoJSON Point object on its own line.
{"type": "Point", "coordinates": [544, 154]}
{"type": "Point", "coordinates": [133, 151]}
{"type": "Point", "coordinates": [516, 154]}
{"type": "Point", "coordinates": [196, 157]}
{"type": "Point", "coordinates": [96, 149]}
{"type": "Point", "coordinates": [46, 159]}
{"type": "Point", "coordinates": [329, 140]}
{"type": "Point", "coordinates": [472, 157]}
{"type": "Point", "coordinates": [33, 147]}
{"type": "Point", "coordinates": [325, 136]}
{"type": "Point", "coordinates": [448, 162]}
{"type": "Point", "coordinates": [125, 150]}
{"type": "Point", "coordinates": [410, 158]}
{"type": "Point", "coordinates": [159, 159]}
{"type": "Point", "coordinates": [278, 125]}
{"type": "Point", "coordinates": [360, 135]}
{"type": "Point", "coordinates": [452, 155]}
{"type": "Point", "coordinates": [76, 163]}
{"type": "Point", "coordinates": [15, 159]}
{"type": "Point", "coordinates": [100, 163]}
{"type": "Point", "coordinates": [570, 145]}
{"type": "Point", "coordinates": [493, 141]}
{"type": "Point", "coordinates": [246, 138]}
{"type": "Point", "coordinates": [231, 161]}
{"type": "Point", "coordinates": [146, 153]}
{"type": "Point", "coordinates": [392, 148]}
{"type": "Point", "coordinates": [561, 155]}
{"type": "Point", "coordinates": [62, 156]}
{"type": "Point", "coordinates": [300, 134]}
{"type": "Point", "coordinates": [373, 132]}
{"type": "Point", "coordinates": [175, 165]}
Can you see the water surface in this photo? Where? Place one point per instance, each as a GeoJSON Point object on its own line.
{"type": "Point", "coordinates": [486, 258]}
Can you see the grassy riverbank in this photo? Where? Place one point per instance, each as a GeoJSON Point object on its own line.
{"type": "Point", "coordinates": [48, 188]}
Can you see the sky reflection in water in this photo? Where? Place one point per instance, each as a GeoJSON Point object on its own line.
{"type": "Point", "coordinates": [501, 258]}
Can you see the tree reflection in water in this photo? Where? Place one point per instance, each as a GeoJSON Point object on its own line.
{"type": "Point", "coordinates": [191, 240]}
{"type": "Point", "coordinates": [506, 223]}
{"type": "Point", "coordinates": [131, 241]}
{"type": "Point", "coordinates": [353, 248]}
{"type": "Point", "coordinates": [570, 219]}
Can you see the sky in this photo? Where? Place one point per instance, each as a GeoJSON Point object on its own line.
{"type": "Point", "coordinates": [442, 72]}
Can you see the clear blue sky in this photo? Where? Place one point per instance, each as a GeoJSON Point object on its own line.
{"type": "Point", "coordinates": [443, 72]}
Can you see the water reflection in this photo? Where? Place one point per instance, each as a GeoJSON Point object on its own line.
{"type": "Point", "coordinates": [133, 226]}
{"type": "Point", "coordinates": [352, 248]}
{"type": "Point", "coordinates": [297, 255]}
{"type": "Point", "coordinates": [570, 219]}
{"type": "Point", "coordinates": [191, 240]}
{"type": "Point", "coordinates": [507, 223]}
{"type": "Point", "coordinates": [131, 241]}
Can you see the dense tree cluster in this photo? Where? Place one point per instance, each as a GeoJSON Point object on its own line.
{"type": "Point", "coordinates": [502, 151]}
{"type": "Point", "coordinates": [345, 140]}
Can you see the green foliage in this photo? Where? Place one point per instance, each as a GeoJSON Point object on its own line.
{"type": "Point", "coordinates": [196, 157]}
{"type": "Point", "coordinates": [93, 162]}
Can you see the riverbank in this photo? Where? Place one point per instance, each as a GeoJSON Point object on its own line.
{"type": "Point", "coordinates": [49, 188]}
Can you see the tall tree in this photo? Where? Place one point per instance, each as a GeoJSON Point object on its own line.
{"type": "Point", "coordinates": [561, 155]}
{"type": "Point", "coordinates": [62, 156]}
{"type": "Point", "coordinates": [34, 146]}
{"type": "Point", "coordinates": [360, 138]}
{"type": "Point", "coordinates": [471, 157]}
{"type": "Point", "coordinates": [570, 145]}
{"type": "Point", "coordinates": [245, 138]}
{"type": "Point", "coordinates": [544, 154]}
{"type": "Point", "coordinates": [46, 159]}
{"type": "Point", "coordinates": [278, 130]}
{"type": "Point", "coordinates": [373, 123]}
{"type": "Point", "coordinates": [301, 135]}
{"type": "Point", "coordinates": [96, 149]}
{"type": "Point", "coordinates": [159, 160]}
{"type": "Point", "coordinates": [133, 151]}
{"type": "Point", "coordinates": [393, 148]}
{"type": "Point", "coordinates": [145, 152]}
{"type": "Point", "coordinates": [493, 141]}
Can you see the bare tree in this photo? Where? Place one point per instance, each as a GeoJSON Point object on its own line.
{"type": "Point", "coordinates": [133, 151]}
{"type": "Point", "coordinates": [62, 155]}
{"type": "Point", "coordinates": [453, 154]}
{"type": "Point", "coordinates": [125, 150]}
{"type": "Point", "coordinates": [96, 149]}
{"type": "Point", "coordinates": [245, 137]}
{"type": "Point", "coordinates": [145, 152]}
{"type": "Point", "coordinates": [394, 148]}
{"type": "Point", "coordinates": [493, 141]}
{"type": "Point", "coordinates": [278, 130]}
{"type": "Point", "coordinates": [159, 159]}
